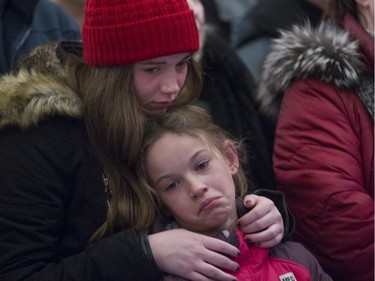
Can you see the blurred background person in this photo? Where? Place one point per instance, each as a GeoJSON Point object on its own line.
{"type": "Point", "coordinates": [228, 96]}
{"type": "Point", "coordinates": [319, 85]}
{"type": "Point", "coordinates": [73, 7]}
{"type": "Point", "coordinates": [28, 23]}
{"type": "Point", "coordinates": [250, 25]}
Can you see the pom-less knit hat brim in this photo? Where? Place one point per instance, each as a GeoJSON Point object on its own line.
{"type": "Point", "coordinates": [132, 38]}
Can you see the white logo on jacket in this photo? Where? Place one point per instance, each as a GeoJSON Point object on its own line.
{"type": "Point", "coordinates": [288, 277]}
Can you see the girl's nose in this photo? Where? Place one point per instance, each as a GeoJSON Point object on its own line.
{"type": "Point", "coordinates": [197, 189]}
{"type": "Point", "coordinates": [170, 84]}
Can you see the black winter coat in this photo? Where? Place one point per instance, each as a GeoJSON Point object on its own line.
{"type": "Point", "coordinates": [52, 196]}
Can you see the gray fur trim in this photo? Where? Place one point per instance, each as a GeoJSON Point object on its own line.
{"type": "Point", "coordinates": [326, 53]}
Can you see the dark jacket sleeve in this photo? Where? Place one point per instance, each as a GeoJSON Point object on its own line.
{"type": "Point", "coordinates": [51, 202]}
{"type": "Point", "coordinates": [278, 199]}
{"type": "Point", "coordinates": [122, 256]}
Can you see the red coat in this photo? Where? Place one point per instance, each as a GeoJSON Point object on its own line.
{"type": "Point", "coordinates": [324, 148]}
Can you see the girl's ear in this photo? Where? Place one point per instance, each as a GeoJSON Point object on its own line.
{"type": "Point", "coordinates": [232, 157]}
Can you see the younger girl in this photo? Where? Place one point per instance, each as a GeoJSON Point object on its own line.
{"type": "Point", "coordinates": [193, 169]}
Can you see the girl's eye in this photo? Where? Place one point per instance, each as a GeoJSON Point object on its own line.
{"type": "Point", "coordinates": [152, 69]}
{"type": "Point", "coordinates": [202, 165]}
{"type": "Point", "coordinates": [183, 64]}
{"type": "Point", "coordinates": [171, 185]}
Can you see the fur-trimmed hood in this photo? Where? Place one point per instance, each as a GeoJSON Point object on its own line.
{"type": "Point", "coordinates": [37, 89]}
{"type": "Point", "coordinates": [327, 52]}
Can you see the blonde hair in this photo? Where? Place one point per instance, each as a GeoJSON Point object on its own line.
{"type": "Point", "coordinates": [115, 126]}
{"type": "Point", "coordinates": [193, 121]}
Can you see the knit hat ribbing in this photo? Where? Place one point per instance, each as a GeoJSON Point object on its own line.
{"type": "Point", "coordinates": [118, 32]}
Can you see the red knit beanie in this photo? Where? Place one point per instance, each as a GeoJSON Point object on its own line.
{"type": "Point", "coordinates": [118, 32]}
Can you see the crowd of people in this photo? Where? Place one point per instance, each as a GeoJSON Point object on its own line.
{"type": "Point", "coordinates": [187, 140]}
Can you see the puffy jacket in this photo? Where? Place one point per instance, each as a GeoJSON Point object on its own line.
{"type": "Point", "coordinates": [324, 144]}
{"type": "Point", "coordinates": [257, 264]}
{"type": "Point", "coordinates": [52, 195]}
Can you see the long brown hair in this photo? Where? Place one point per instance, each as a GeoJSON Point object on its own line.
{"type": "Point", "coordinates": [193, 121]}
{"type": "Point", "coordinates": [115, 126]}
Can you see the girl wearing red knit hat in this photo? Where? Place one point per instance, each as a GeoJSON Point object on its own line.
{"type": "Point", "coordinates": [74, 112]}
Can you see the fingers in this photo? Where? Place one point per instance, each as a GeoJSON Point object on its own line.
{"type": "Point", "coordinates": [267, 238]}
{"type": "Point", "coordinates": [214, 258]}
{"type": "Point", "coordinates": [218, 252]}
{"type": "Point", "coordinates": [204, 269]}
{"type": "Point", "coordinates": [259, 208]}
{"type": "Point", "coordinates": [219, 246]}
{"type": "Point", "coordinates": [193, 257]}
{"type": "Point", "coordinates": [263, 224]}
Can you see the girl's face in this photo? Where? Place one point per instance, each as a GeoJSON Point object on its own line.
{"type": "Point", "coordinates": [158, 81]}
{"type": "Point", "coordinates": [193, 182]}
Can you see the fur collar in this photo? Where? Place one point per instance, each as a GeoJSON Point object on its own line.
{"type": "Point", "coordinates": [326, 52]}
{"type": "Point", "coordinates": [37, 90]}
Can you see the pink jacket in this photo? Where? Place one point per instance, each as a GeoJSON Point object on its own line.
{"type": "Point", "coordinates": [256, 265]}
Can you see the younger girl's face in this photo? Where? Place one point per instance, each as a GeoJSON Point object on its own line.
{"type": "Point", "coordinates": [193, 182]}
{"type": "Point", "coordinates": [158, 81]}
